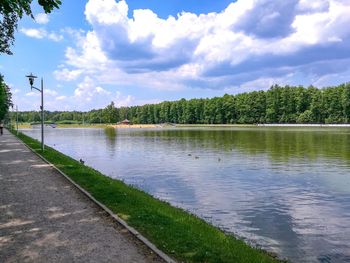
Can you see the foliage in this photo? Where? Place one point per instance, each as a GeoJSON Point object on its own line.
{"type": "Point", "coordinates": [5, 98]}
{"type": "Point", "coordinates": [176, 232]}
{"type": "Point", "coordinates": [8, 25]}
{"type": "Point", "coordinates": [276, 105]}
{"type": "Point", "coordinates": [305, 117]}
{"type": "Point", "coordinates": [13, 10]}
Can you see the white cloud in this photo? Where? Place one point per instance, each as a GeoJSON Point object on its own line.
{"type": "Point", "coordinates": [41, 33]}
{"type": "Point", "coordinates": [87, 90]}
{"type": "Point", "coordinates": [123, 101]}
{"type": "Point", "coordinates": [77, 35]}
{"type": "Point", "coordinates": [61, 97]}
{"type": "Point", "coordinates": [88, 96]}
{"type": "Point", "coordinates": [32, 93]}
{"type": "Point", "coordinates": [33, 32]}
{"type": "Point", "coordinates": [42, 18]}
{"type": "Point", "coordinates": [49, 92]}
{"type": "Point", "coordinates": [315, 5]}
{"type": "Point", "coordinates": [321, 26]}
{"type": "Point", "coordinates": [66, 74]}
{"type": "Point", "coordinates": [91, 55]}
{"type": "Point", "coordinates": [250, 42]}
{"type": "Point", "coordinates": [15, 91]}
{"type": "Point", "coordinates": [54, 37]}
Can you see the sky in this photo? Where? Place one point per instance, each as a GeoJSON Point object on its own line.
{"type": "Point", "coordinates": [135, 52]}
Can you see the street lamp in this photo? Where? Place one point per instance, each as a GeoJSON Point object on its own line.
{"type": "Point", "coordinates": [17, 119]}
{"type": "Point", "coordinates": [31, 78]}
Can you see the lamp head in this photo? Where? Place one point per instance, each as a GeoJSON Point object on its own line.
{"type": "Point", "coordinates": [31, 78]}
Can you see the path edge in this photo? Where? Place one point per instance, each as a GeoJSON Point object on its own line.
{"type": "Point", "coordinates": [115, 217]}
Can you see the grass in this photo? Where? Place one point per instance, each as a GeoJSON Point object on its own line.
{"type": "Point", "coordinates": [178, 233]}
{"type": "Point", "coordinates": [26, 125]}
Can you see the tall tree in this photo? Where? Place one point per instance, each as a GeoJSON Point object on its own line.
{"type": "Point", "coordinates": [5, 98]}
{"type": "Point", "coordinates": [273, 104]}
{"type": "Point", "coordinates": [110, 113]}
{"type": "Point", "coordinates": [277, 105]}
{"type": "Point", "coordinates": [346, 102]}
{"type": "Point", "coordinates": [13, 10]}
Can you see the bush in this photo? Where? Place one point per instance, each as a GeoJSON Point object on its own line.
{"type": "Point", "coordinates": [305, 117]}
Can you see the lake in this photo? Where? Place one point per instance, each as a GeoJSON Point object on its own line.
{"type": "Point", "coordinates": [286, 190]}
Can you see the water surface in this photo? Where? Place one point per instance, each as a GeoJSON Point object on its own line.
{"type": "Point", "coordinates": [286, 190]}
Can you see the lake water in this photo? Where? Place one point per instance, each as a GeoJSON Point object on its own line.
{"type": "Point", "coordinates": [286, 190]}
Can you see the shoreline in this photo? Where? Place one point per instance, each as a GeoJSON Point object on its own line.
{"type": "Point", "coordinates": [262, 125]}
{"type": "Point", "coordinates": [177, 232]}
{"type": "Point", "coordinates": [162, 126]}
{"type": "Point", "coordinates": [65, 220]}
{"type": "Point", "coordinates": [303, 125]}
{"type": "Point", "coordinates": [134, 126]}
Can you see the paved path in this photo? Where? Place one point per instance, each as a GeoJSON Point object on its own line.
{"type": "Point", "coordinates": [45, 219]}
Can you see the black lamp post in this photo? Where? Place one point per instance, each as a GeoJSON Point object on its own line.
{"type": "Point", "coordinates": [31, 78]}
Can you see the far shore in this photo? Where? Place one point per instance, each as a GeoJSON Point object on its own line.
{"type": "Point", "coordinates": [134, 126]}
{"type": "Point", "coordinates": [304, 125]}
{"type": "Point", "coordinates": [264, 125]}
{"type": "Point", "coordinates": [153, 126]}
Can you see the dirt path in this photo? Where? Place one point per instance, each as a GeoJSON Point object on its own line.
{"type": "Point", "coordinates": [45, 219]}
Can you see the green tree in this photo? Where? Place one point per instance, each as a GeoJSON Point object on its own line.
{"type": "Point", "coordinates": [13, 10]}
{"type": "Point", "coordinates": [317, 107]}
{"type": "Point", "coordinates": [110, 113]}
{"type": "Point", "coordinates": [229, 108]}
{"type": "Point", "coordinates": [5, 98]}
{"type": "Point", "coordinates": [333, 106]}
{"type": "Point", "coordinates": [346, 102]}
{"type": "Point", "coordinates": [302, 100]}
{"type": "Point", "coordinates": [273, 104]}
{"type": "Point", "coordinates": [173, 113]}
{"type": "Point", "coordinates": [305, 117]}
{"type": "Point", "coordinates": [278, 104]}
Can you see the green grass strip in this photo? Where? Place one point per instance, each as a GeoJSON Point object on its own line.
{"type": "Point", "coordinates": [176, 232]}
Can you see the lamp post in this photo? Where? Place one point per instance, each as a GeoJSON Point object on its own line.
{"type": "Point", "coordinates": [31, 78]}
{"type": "Point", "coordinates": [17, 119]}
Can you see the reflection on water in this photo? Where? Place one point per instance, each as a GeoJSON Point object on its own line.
{"type": "Point", "coordinates": [286, 190]}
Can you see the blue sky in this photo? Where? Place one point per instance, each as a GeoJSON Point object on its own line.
{"type": "Point", "coordinates": [136, 52]}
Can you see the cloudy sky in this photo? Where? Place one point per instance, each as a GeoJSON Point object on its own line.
{"type": "Point", "coordinates": [134, 52]}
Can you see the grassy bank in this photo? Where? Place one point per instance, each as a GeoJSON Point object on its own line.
{"type": "Point", "coordinates": [179, 234]}
{"type": "Point", "coordinates": [26, 125]}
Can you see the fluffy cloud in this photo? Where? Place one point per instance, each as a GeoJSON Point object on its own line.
{"type": "Point", "coordinates": [250, 40]}
{"type": "Point", "coordinates": [86, 96]}
{"type": "Point", "coordinates": [266, 15]}
{"type": "Point", "coordinates": [89, 95]}
{"type": "Point", "coordinates": [47, 92]}
{"type": "Point", "coordinates": [123, 101]}
{"type": "Point", "coordinates": [42, 18]}
{"type": "Point", "coordinates": [33, 32]}
{"type": "Point", "coordinates": [87, 90]}
{"type": "Point", "coordinates": [66, 74]}
{"type": "Point", "coordinates": [41, 33]}
{"type": "Point", "coordinates": [50, 92]}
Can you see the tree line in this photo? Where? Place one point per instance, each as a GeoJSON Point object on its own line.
{"type": "Point", "coordinates": [288, 104]}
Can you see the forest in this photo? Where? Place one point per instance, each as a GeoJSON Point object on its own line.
{"type": "Point", "coordinates": [279, 104]}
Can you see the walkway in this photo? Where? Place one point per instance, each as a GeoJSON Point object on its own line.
{"type": "Point", "coordinates": [45, 219]}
